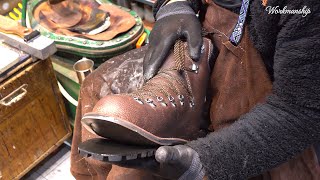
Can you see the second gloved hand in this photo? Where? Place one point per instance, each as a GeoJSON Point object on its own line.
{"type": "Point", "coordinates": [175, 20]}
{"type": "Point", "coordinates": [171, 162]}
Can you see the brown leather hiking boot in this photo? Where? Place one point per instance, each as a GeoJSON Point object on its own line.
{"type": "Point", "coordinates": [165, 111]}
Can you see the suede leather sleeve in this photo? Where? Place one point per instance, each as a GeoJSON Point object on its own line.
{"type": "Point", "coordinates": [289, 121]}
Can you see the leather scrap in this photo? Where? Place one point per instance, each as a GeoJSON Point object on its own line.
{"type": "Point", "coordinates": [121, 21]}
{"type": "Point", "coordinates": [63, 14]}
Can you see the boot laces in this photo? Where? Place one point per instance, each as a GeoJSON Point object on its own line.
{"type": "Point", "coordinates": [170, 82]}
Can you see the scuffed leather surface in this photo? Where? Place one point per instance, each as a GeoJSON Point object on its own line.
{"type": "Point", "coordinates": [96, 86]}
{"type": "Point", "coordinates": [127, 77]}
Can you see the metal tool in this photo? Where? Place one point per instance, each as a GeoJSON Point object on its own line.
{"type": "Point", "coordinates": [25, 39]}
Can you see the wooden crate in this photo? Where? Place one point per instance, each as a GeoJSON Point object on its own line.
{"type": "Point", "coordinates": [33, 120]}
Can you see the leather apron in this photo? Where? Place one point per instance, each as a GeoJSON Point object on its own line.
{"type": "Point", "coordinates": [239, 80]}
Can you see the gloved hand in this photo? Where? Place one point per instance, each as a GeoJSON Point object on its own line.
{"type": "Point", "coordinates": [175, 20]}
{"type": "Point", "coordinates": [171, 162]}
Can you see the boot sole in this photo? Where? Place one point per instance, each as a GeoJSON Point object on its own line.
{"type": "Point", "coordinates": [108, 151]}
{"type": "Point", "coordinates": [124, 131]}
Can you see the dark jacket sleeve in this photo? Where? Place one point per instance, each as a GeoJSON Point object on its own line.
{"type": "Point", "coordinates": [289, 121]}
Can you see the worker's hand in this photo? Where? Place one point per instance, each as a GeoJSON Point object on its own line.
{"type": "Point", "coordinates": [175, 20]}
{"type": "Point", "coordinates": [171, 162]}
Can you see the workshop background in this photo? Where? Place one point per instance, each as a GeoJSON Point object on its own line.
{"type": "Point", "coordinates": [40, 75]}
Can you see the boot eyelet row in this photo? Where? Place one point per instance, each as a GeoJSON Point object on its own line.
{"type": "Point", "coordinates": [161, 101]}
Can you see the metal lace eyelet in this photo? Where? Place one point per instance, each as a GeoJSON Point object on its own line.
{"type": "Point", "coordinates": [202, 49]}
{"type": "Point", "coordinates": [181, 99]}
{"type": "Point", "coordinates": [192, 103]}
{"type": "Point", "coordinates": [195, 68]}
{"type": "Point", "coordinates": [160, 100]}
{"type": "Point", "coordinates": [138, 100]}
{"type": "Point", "coordinates": [150, 102]}
{"type": "Point", "coordinates": [171, 99]}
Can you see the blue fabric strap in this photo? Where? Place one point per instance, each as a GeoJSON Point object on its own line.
{"type": "Point", "coordinates": [238, 30]}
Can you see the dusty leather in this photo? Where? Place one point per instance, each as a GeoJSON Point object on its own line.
{"type": "Point", "coordinates": [121, 21]}
{"type": "Point", "coordinates": [238, 82]}
{"type": "Point", "coordinates": [121, 74]}
{"type": "Point", "coordinates": [165, 119]}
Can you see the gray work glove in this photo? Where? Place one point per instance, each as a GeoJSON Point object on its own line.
{"type": "Point", "coordinates": [174, 21]}
{"type": "Point", "coordinates": [172, 162]}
